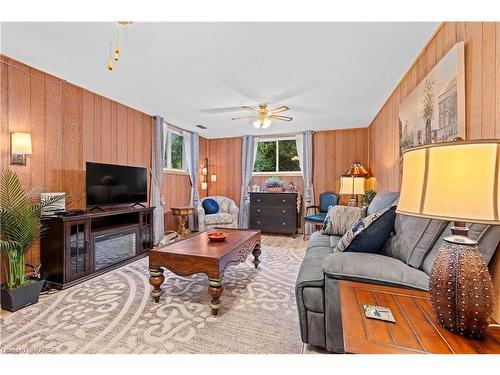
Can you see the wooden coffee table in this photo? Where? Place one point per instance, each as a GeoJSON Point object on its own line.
{"type": "Point", "coordinates": [196, 254]}
{"type": "Point", "coordinates": [416, 329]}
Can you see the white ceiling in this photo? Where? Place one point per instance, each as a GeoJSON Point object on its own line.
{"type": "Point", "coordinates": [176, 70]}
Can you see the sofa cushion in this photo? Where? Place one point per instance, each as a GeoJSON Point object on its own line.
{"type": "Point", "coordinates": [381, 201]}
{"type": "Point", "coordinates": [334, 240]}
{"type": "Point", "coordinates": [318, 239]}
{"type": "Point", "coordinates": [374, 268]}
{"type": "Point", "coordinates": [311, 271]}
{"type": "Point", "coordinates": [340, 219]}
{"type": "Point", "coordinates": [488, 237]}
{"type": "Point", "coordinates": [370, 233]}
{"type": "Point", "coordinates": [210, 206]}
{"type": "Point", "coordinates": [218, 219]}
{"type": "Point", "coordinates": [413, 239]}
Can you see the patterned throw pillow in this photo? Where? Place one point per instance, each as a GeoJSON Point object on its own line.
{"type": "Point", "coordinates": [368, 235]}
{"type": "Point", "coordinates": [340, 219]}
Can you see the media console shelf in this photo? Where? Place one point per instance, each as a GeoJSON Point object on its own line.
{"type": "Point", "coordinates": [76, 248]}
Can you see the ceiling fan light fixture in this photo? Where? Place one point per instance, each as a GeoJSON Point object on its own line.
{"type": "Point", "coordinates": [266, 123]}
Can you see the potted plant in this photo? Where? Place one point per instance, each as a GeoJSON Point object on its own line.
{"type": "Point", "coordinates": [274, 184]}
{"type": "Point", "coordinates": [368, 197]}
{"type": "Point", "coordinates": [20, 229]}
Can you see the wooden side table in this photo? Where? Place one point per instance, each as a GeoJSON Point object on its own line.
{"type": "Point", "coordinates": [182, 213]}
{"type": "Point", "coordinates": [416, 329]}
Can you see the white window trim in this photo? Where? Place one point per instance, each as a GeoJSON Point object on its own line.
{"type": "Point", "coordinates": [167, 134]}
{"type": "Point", "coordinates": [277, 173]}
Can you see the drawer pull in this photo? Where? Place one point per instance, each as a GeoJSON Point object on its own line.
{"type": "Point", "coordinates": [258, 222]}
{"type": "Point", "coordinates": [258, 200]}
{"type": "Point", "coordinates": [284, 200]}
{"type": "Point", "coordinates": [258, 210]}
{"type": "Point", "coordinates": [283, 224]}
{"type": "Point", "coordinates": [284, 211]}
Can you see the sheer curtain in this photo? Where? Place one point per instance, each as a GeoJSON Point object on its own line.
{"type": "Point", "coordinates": [249, 150]}
{"type": "Point", "coordinates": [305, 152]}
{"type": "Point", "coordinates": [157, 152]}
{"type": "Point", "coordinates": [191, 153]}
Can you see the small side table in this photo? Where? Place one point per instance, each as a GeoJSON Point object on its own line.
{"type": "Point", "coordinates": [416, 329]}
{"type": "Point", "coordinates": [182, 213]}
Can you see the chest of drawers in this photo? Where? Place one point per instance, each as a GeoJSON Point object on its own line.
{"type": "Point", "coordinates": [274, 212]}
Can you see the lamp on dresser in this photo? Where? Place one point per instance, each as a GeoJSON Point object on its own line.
{"type": "Point", "coordinates": [456, 181]}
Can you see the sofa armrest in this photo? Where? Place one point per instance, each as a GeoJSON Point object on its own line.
{"type": "Point", "coordinates": [200, 212]}
{"type": "Point", "coordinates": [375, 269]}
{"type": "Point", "coordinates": [234, 211]}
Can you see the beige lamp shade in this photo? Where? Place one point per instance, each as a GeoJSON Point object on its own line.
{"type": "Point", "coordinates": [20, 143]}
{"type": "Point", "coordinates": [351, 185]}
{"type": "Point", "coordinates": [455, 181]}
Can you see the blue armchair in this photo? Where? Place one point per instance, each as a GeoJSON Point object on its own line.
{"type": "Point", "coordinates": [326, 200]}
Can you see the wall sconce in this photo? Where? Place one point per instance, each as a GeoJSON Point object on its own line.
{"type": "Point", "coordinates": [204, 186]}
{"type": "Point", "coordinates": [213, 178]}
{"type": "Point", "coordinates": [204, 173]}
{"type": "Point", "coordinates": [20, 146]}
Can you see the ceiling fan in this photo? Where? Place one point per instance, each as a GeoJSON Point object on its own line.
{"type": "Point", "coordinates": [263, 115]}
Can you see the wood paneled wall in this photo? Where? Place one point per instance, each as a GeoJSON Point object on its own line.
{"type": "Point", "coordinates": [482, 93]}
{"type": "Point", "coordinates": [482, 96]}
{"type": "Point", "coordinates": [333, 153]}
{"type": "Point", "coordinates": [225, 155]}
{"type": "Point", "coordinates": [69, 126]}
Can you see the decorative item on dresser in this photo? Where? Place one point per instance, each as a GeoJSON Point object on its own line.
{"type": "Point", "coordinates": [275, 212]}
{"type": "Point", "coordinates": [78, 247]}
{"type": "Point", "coordinates": [274, 184]}
{"type": "Point", "coordinates": [443, 181]}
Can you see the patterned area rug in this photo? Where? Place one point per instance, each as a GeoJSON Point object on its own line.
{"type": "Point", "coordinates": [114, 313]}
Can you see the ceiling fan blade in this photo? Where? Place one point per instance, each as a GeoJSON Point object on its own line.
{"type": "Point", "coordinates": [283, 118]}
{"type": "Point", "coordinates": [294, 91]}
{"type": "Point", "coordinates": [250, 109]}
{"type": "Point", "coordinates": [283, 108]}
{"type": "Point", "coordinates": [221, 109]}
{"type": "Point", "coordinates": [241, 117]}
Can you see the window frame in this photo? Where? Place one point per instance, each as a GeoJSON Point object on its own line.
{"type": "Point", "coordinates": [167, 164]}
{"type": "Point", "coordinates": [277, 173]}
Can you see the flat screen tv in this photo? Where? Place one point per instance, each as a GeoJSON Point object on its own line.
{"type": "Point", "coordinates": [109, 184]}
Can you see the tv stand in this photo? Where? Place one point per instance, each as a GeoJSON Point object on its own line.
{"type": "Point", "coordinates": [77, 248]}
{"type": "Point", "coordinates": [96, 208]}
{"type": "Point", "coordinates": [137, 204]}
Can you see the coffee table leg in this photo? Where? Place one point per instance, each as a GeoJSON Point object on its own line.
{"type": "Point", "coordinates": [215, 289]}
{"type": "Point", "coordinates": [256, 254]}
{"type": "Point", "coordinates": [156, 278]}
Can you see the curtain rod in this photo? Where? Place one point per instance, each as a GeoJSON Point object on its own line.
{"type": "Point", "coordinates": [177, 128]}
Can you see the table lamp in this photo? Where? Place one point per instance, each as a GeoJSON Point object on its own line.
{"type": "Point", "coordinates": [353, 186]}
{"type": "Point", "coordinates": [460, 182]}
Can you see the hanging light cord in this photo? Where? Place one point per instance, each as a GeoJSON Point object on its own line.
{"type": "Point", "coordinates": [32, 75]}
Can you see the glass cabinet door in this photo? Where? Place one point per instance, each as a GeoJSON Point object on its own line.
{"type": "Point", "coordinates": [146, 231]}
{"type": "Point", "coordinates": [77, 249]}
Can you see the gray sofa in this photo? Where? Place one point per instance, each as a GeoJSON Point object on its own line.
{"type": "Point", "coordinates": [405, 260]}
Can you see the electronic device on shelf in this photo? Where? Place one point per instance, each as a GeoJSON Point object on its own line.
{"type": "Point", "coordinates": [74, 212]}
{"type": "Point", "coordinates": [111, 185]}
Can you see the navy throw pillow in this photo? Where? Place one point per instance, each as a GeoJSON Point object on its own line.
{"type": "Point", "coordinates": [210, 206]}
{"type": "Point", "coordinates": [370, 233]}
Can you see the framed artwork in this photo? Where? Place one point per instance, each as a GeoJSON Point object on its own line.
{"type": "Point", "coordinates": [435, 110]}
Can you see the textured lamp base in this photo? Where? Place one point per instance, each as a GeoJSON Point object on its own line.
{"type": "Point", "coordinates": [461, 288]}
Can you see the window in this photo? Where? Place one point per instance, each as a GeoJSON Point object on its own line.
{"type": "Point", "coordinates": [174, 150]}
{"type": "Point", "coordinates": [277, 155]}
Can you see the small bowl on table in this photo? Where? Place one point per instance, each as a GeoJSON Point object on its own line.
{"type": "Point", "coordinates": [217, 236]}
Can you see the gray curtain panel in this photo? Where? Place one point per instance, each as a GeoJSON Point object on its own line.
{"type": "Point", "coordinates": [248, 160]}
{"type": "Point", "coordinates": [158, 150]}
{"type": "Point", "coordinates": [304, 152]}
{"type": "Point", "coordinates": [191, 154]}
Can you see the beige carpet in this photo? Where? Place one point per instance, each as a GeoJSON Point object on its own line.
{"type": "Point", "coordinates": [114, 313]}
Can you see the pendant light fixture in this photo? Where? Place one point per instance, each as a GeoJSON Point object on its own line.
{"type": "Point", "coordinates": [116, 48]}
